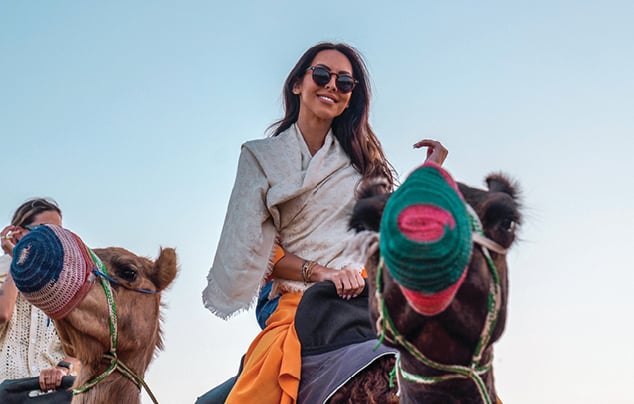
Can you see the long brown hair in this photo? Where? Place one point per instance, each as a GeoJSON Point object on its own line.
{"type": "Point", "coordinates": [351, 128]}
{"type": "Point", "coordinates": [25, 213]}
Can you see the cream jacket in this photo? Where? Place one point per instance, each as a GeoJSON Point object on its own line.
{"type": "Point", "coordinates": [282, 194]}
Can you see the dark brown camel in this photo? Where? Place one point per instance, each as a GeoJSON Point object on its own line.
{"type": "Point", "coordinates": [451, 337]}
{"type": "Point", "coordinates": [136, 285]}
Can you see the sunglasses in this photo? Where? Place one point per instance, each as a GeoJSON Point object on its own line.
{"type": "Point", "coordinates": [344, 82]}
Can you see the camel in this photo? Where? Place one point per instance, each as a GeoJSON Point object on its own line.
{"type": "Point", "coordinates": [85, 333]}
{"type": "Point", "coordinates": [114, 330]}
{"type": "Point", "coordinates": [447, 357]}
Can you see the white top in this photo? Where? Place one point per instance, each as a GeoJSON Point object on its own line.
{"type": "Point", "coordinates": [29, 341]}
{"type": "Point", "coordinates": [5, 266]}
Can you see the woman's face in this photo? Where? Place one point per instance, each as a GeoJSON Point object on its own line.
{"type": "Point", "coordinates": [12, 233]}
{"type": "Point", "coordinates": [46, 217]}
{"type": "Point", "coordinates": [327, 102]}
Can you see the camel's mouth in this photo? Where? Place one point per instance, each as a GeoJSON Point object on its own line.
{"type": "Point", "coordinates": [53, 271]}
{"type": "Point", "coordinates": [430, 304]}
{"type": "Point", "coordinates": [426, 239]}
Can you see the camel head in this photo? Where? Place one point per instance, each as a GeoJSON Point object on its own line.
{"type": "Point", "coordinates": [437, 279]}
{"type": "Point", "coordinates": [83, 288]}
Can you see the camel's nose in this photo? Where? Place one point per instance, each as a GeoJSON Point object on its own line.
{"type": "Point", "coordinates": [51, 267]}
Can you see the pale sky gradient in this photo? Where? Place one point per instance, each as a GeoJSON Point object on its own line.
{"type": "Point", "coordinates": [131, 115]}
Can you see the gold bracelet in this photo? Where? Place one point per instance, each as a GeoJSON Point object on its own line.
{"type": "Point", "coordinates": [307, 271]}
{"type": "Point", "coordinates": [304, 271]}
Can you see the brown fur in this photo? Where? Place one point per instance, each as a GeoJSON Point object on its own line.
{"type": "Point", "coordinates": [85, 331]}
{"type": "Point", "coordinates": [371, 386]}
{"type": "Point", "coordinates": [451, 336]}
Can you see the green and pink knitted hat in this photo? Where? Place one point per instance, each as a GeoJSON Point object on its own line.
{"type": "Point", "coordinates": [52, 268]}
{"type": "Point", "coordinates": [425, 238]}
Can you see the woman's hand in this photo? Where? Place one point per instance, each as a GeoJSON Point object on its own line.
{"type": "Point", "coordinates": [8, 238]}
{"type": "Point", "coordinates": [348, 281]}
{"type": "Point", "coordinates": [51, 378]}
{"type": "Point", "coordinates": [436, 152]}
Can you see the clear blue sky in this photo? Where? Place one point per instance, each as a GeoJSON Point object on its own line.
{"type": "Point", "coordinates": [131, 115]}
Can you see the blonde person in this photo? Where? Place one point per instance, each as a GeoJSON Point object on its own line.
{"type": "Point", "coordinates": [30, 344]}
{"type": "Point", "coordinates": [296, 189]}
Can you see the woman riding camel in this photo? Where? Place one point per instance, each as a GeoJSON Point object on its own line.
{"type": "Point", "coordinates": [288, 213]}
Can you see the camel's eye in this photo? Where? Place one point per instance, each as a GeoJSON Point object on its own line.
{"type": "Point", "coordinates": [508, 224]}
{"type": "Point", "coordinates": [127, 273]}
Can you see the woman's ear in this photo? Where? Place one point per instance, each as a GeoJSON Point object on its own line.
{"type": "Point", "coordinates": [297, 88]}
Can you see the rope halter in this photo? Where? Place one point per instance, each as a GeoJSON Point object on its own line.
{"type": "Point", "coordinates": [476, 369]}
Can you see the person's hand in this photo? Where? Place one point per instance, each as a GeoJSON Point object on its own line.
{"type": "Point", "coordinates": [348, 281]}
{"type": "Point", "coordinates": [8, 238]}
{"type": "Point", "coordinates": [436, 152]}
{"type": "Point", "coordinates": [51, 378]}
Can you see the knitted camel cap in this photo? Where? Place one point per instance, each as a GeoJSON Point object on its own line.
{"type": "Point", "coordinates": [425, 237]}
{"type": "Point", "coordinates": [52, 269]}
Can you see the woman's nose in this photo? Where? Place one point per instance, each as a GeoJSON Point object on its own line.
{"type": "Point", "coordinates": [332, 83]}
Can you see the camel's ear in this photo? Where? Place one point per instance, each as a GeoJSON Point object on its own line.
{"type": "Point", "coordinates": [500, 182]}
{"type": "Point", "coordinates": [165, 268]}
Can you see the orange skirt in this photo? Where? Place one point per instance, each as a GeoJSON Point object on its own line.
{"type": "Point", "coordinates": [272, 365]}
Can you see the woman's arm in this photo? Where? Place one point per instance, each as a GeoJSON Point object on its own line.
{"type": "Point", "coordinates": [8, 296]}
{"type": "Point", "coordinates": [8, 290]}
{"type": "Point", "coordinates": [246, 241]}
{"type": "Point", "coordinates": [349, 282]}
{"type": "Point", "coordinates": [436, 152]}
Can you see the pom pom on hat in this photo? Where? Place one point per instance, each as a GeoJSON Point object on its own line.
{"type": "Point", "coordinates": [425, 238]}
{"type": "Point", "coordinates": [52, 268]}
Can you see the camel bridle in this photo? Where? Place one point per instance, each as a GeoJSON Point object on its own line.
{"type": "Point", "coordinates": [115, 363]}
{"type": "Point", "coordinates": [476, 369]}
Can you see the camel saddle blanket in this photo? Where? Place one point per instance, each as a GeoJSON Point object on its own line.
{"type": "Point", "coordinates": [337, 341]}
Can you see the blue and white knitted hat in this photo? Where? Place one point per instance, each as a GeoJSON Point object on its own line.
{"type": "Point", "coordinates": [52, 268]}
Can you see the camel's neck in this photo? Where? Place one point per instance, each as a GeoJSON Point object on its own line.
{"type": "Point", "coordinates": [461, 390]}
{"type": "Point", "coordinates": [114, 388]}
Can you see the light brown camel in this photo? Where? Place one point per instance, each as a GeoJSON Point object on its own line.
{"type": "Point", "coordinates": [112, 320]}
{"type": "Point", "coordinates": [441, 360]}
{"type": "Point", "coordinates": [85, 332]}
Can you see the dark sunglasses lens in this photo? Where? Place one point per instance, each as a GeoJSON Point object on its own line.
{"type": "Point", "coordinates": [345, 84]}
{"type": "Point", "coordinates": [321, 76]}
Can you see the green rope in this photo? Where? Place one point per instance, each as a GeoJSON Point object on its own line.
{"type": "Point", "coordinates": [112, 320]}
{"type": "Point", "coordinates": [379, 342]}
{"type": "Point", "coordinates": [112, 307]}
{"type": "Point", "coordinates": [90, 384]}
{"type": "Point", "coordinates": [130, 374]}
{"type": "Point", "coordinates": [474, 371]}
{"type": "Point", "coordinates": [393, 374]}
